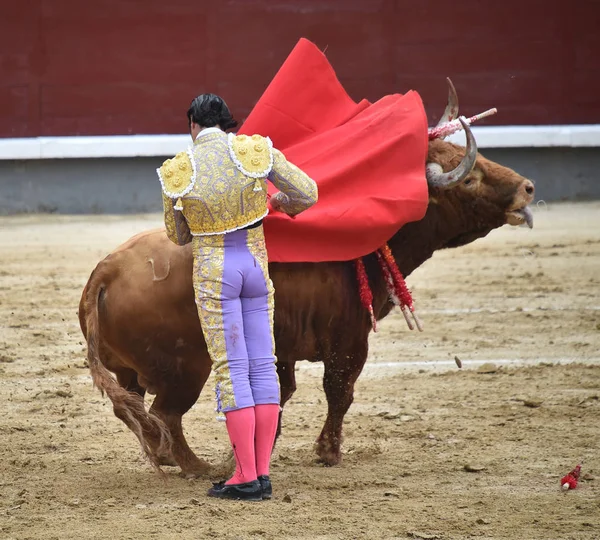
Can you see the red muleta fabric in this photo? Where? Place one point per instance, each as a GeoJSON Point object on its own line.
{"type": "Point", "coordinates": [368, 160]}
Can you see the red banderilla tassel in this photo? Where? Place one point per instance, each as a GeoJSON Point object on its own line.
{"type": "Point", "coordinates": [364, 290]}
{"type": "Point", "coordinates": [569, 481]}
{"type": "Point", "coordinates": [397, 286]}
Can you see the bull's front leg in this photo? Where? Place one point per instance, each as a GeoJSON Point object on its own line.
{"type": "Point", "coordinates": [286, 371]}
{"type": "Point", "coordinates": [342, 368]}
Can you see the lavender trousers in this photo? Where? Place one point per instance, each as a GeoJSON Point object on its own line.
{"type": "Point", "coordinates": [235, 301]}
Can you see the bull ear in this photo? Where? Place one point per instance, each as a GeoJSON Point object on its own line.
{"type": "Point", "coordinates": [451, 111]}
{"type": "Point", "coordinates": [436, 177]}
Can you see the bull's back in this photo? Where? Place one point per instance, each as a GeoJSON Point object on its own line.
{"type": "Point", "coordinates": [145, 301]}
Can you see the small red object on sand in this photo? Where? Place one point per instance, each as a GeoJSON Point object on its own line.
{"type": "Point", "coordinates": [570, 480]}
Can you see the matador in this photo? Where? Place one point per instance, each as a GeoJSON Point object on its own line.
{"type": "Point", "coordinates": [215, 196]}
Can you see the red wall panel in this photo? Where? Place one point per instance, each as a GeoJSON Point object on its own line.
{"type": "Point", "coordinates": [69, 67]}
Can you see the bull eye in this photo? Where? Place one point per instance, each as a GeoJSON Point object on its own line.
{"type": "Point", "coordinates": [467, 181]}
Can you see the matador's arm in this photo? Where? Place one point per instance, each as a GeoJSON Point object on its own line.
{"type": "Point", "coordinates": [176, 225]}
{"type": "Point", "coordinates": [297, 191]}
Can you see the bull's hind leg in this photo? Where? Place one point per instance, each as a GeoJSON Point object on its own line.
{"type": "Point", "coordinates": [170, 404]}
{"type": "Point", "coordinates": [128, 379]}
{"type": "Point", "coordinates": [341, 371]}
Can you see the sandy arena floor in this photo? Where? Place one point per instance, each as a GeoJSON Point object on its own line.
{"type": "Point", "coordinates": [528, 301]}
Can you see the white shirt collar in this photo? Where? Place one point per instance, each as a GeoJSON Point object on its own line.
{"type": "Point", "coordinates": [206, 131]}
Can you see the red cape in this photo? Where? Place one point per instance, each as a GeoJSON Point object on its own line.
{"type": "Point", "coordinates": [368, 160]}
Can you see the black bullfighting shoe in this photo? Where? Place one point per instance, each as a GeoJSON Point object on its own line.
{"type": "Point", "coordinates": [250, 491]}
{"type": "Point", "coordinates": [265, 485]}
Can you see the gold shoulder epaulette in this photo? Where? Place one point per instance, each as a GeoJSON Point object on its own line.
{"type": "Point", "coordinates": [177, 175]}
{"type": "Point", "coordinates": [253, 156]}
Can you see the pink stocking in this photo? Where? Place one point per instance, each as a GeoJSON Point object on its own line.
{"type": "Point", "coordinates": [240, 427]}
{"type": "Point", "coordinates": [267, 418]}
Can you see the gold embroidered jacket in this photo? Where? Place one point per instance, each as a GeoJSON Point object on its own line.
{"type": "Point", "coordinates": [219, 185]}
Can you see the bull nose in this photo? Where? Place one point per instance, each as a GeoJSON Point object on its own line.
{"type": "Point", "coordinates": [529, 188]}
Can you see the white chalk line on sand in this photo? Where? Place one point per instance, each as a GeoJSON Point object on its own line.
{"type": "Point", "coordinates": [458, 311]}
{"type": "Point", "coordinates": [381, 369]}
{"type": "Point", "coordinates": [446, 365]}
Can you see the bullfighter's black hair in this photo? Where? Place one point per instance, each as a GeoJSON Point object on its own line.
{"type": "Point", "coordinates": [209, 110]}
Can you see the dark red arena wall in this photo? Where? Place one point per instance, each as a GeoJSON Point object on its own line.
{"type": "Point", "coordinates": [73, 67]}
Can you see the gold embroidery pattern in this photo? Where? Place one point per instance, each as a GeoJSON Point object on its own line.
{"type": "Point", "coordinates": [297, 190]}
{"type": "Point", "coordinates": [253, 155]}
{"type": "Point", "coordinates": [177, 229]}
{"type": "Point", "coordinates": [177, 175]}
{"type": "Point", "coordinates": [222, 199]}
{"type": "Point", "coordinates": [209, 260]}
{"type": "Point", "coordinates": [169, 218]}
{"type": "Point", "coordinates": [258, 249]}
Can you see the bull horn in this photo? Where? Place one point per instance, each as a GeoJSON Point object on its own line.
{"type": "Point", "coordinates": [451, 111]}
{"type": "Point", "coordinates": [436, 177]}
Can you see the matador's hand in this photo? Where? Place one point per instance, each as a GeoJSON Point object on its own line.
{"type": "Point", "coordinates": [278, 202]}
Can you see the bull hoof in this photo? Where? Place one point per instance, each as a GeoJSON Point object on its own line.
{"type": "Point", "coordinates": [193, 475]}
{"type": "Point", "coordinates": [197, 469]}
{"type": "Point", "coordinates": [167, 461]}
{"type": "Point", "coordinates": [190, 474]}
{"type": "Point", "coordinates": [330, 460]}
{"type": "Point", "coordinates": [328, 455]}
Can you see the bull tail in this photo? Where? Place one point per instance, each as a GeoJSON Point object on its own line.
{"type": "Point", "coordinates": [153, 434]}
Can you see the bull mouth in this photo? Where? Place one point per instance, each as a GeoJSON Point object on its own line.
{"type": "Point", "coordinates": [520, 217]}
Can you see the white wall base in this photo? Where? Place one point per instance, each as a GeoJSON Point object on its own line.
{"type": "Point", "coordinates": [127, 146]}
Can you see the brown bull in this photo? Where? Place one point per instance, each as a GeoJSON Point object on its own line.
{"type": "Point", "coordinates": [139, 317]}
